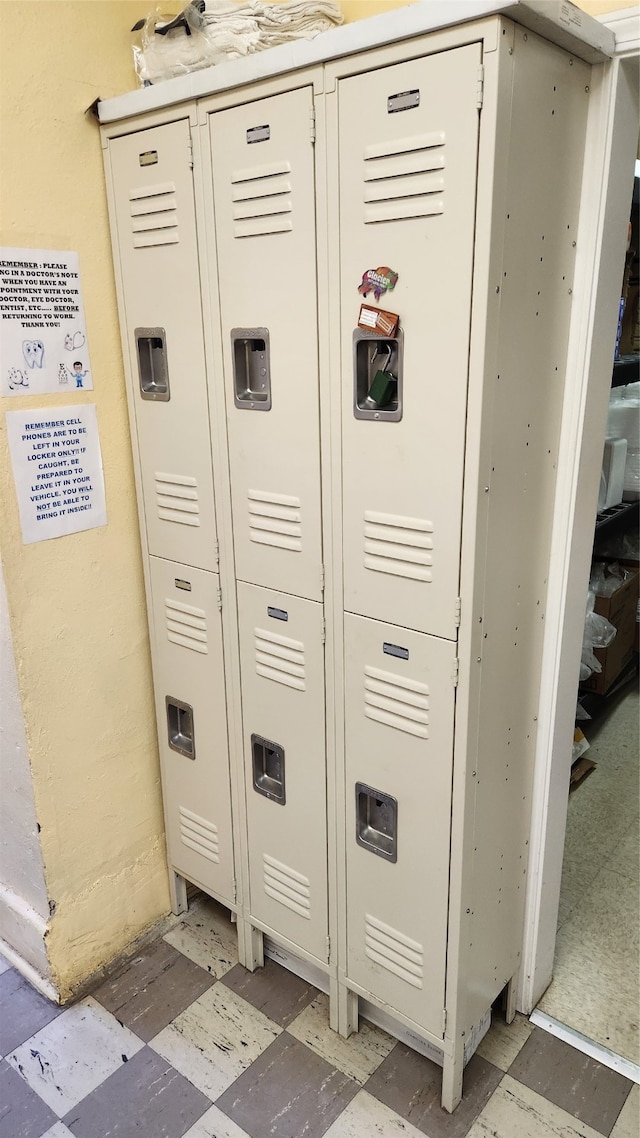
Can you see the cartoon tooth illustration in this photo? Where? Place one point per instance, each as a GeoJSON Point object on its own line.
{"type": "Point", "coordinates": [33, 352]}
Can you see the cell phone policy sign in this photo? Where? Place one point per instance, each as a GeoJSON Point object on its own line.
{"type": "Point", "coordinates": [57, 467]}
{"type": "Point", "coordinates": [43, 335]}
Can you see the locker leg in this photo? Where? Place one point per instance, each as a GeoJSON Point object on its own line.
{"type": "Point", "coordinates": [452, 1072]}
{"type": "Point", "coordinates": [177, 893]}
{"type": "Point", "coordinates": [510, 1000]}
{"type": "Point", "coordinates": [343, 1008]}
{"type": "Point", "coordinates": [250, 945]}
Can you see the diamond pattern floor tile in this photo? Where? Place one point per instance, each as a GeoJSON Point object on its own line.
{"type": "Point", "coordinates": [289, 1091]}
{"type": "Point", "coordinates": [215, 1124]}
{"type": "Point", "coordinates": [144, 1098]}
{"type": "Point", "coordinates": [367, 1117]}
{"type": "Point", "coordinates": [584, 1088]}
{"type": "Point", "coordinates": [411, 1085]}
{"type": "Point", "coordinates": [23, 1114]}
{"type": "Point", "coordinates": [358, 1056]}
{"type": "Point", "coordinates": [22, 1010]}
{"type": "Point", "coordinates": [207, 936]}
{"type": "Point", "coordinates": [215, 1039]}
{"type": "Point", "coordinates": [273, 990]}
{"type": "Point", "coordinates": [73, 1054]}
{"type": "Point", "coordinates": [515, 1111]}
{"type": "Point", "coordinates": [153, 989]}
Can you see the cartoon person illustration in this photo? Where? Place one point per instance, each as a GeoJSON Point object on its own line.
{"type": "Point", "coordinates": [78, 374]}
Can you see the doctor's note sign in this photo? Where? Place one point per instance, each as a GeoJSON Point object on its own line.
{"type": "Point", "coordinates": [43, 335]}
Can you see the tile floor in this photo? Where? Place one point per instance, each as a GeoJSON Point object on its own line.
{"type": "Point", "coordinates": [596, 985]}
{"type": "Point", "coordinates": [185, 1042]}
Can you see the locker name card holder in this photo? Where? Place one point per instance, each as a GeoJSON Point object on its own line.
{"type": "Point", "coordinates": [258, 134]}
{"type": "Point", "coordinates": [403, 101]}
{"type": "Point", "coordinates": [377, 320]}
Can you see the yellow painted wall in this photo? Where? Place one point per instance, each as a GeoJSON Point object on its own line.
{"type": "Point", "coordinates": [359, 9]}
{"type": "Point", "coordinates": [76, 603]}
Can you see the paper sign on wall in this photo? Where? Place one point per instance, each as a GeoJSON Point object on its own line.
{"type": "Point", "coordinates": [43, 335]}
{"type": "Point", "coordinates": [57, 467]}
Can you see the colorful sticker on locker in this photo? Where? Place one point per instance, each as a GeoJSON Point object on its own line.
{"type": "Point", "coordinates": [380, 280]}
{"type": "Point", "coordinates": [377, 320]}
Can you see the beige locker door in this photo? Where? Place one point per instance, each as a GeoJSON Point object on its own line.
{"type": "Point", "coordinates": [282, 665]}
{"type": "Point", "coordinates": [399, 751]}
{"type": "Point", "coordinates": [408, 144]}
{"type": "Point", "coordinates": [263, 170]}
{"type": "Point", "coordinates": [192, 724]}
{"type": "Point", "coordinates": [155, 214]}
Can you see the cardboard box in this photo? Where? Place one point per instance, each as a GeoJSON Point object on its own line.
{"type": "Point", "coordinates": [620, 608]}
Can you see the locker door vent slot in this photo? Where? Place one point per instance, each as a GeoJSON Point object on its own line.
{"type": "Point", "coordinates": [177, 499]}
{"type": "Point", "coordinates": [153, 374]}
{"type": "Point", "coordinates": [394, 951]}
{"type": "Point", "coordinates": [377, 822]}
{"type": "Point", "coordinates": [251, 368]}
{"type": "Point", "coordinates": [403, 179]}
{"type": "Point", "coordinates": [377, 376]}
{"type": "Point", "coordinates": [280, 658]}
{"type": "Point", "coordinates": [400, 546]}
{"type": "Point", "coordinates": [261, 197]}
{"type": "Point", "coordinates": [180, 727]}
{"type": "Point", "coordinates": [268, 769]}
{"type": "Point", "coordinates": [154, 215]}
{"type": "Point", "coordinates": [186, 626]}
{"type": "Point", "coordinates": [199, 834]}
{"type": "Point", "coordinates": [287, 886]}
{"type": "Point", "coordinates": [275, 519]}
{"type": "Point", "coordinates": [397, 702]}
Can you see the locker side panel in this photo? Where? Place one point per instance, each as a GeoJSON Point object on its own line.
{"type": "Point", "coordinates": [282, 666]}
{"type": "Point", "coordinates": [263, 165]}
{"type": "Point", "coordinates": [192, 726]}
{"type": "Point", "coordinates": [155, 216]}
{"type": "Point", "coordinates": [399, 698]}
{"type": "Point", "coordinates": [408, 147]}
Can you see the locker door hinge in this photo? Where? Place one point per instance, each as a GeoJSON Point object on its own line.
{"type": "Point", "coordinates": [219, 599]}
{"type": "Point", "coordinates": [322, 578]}
{"type": "Point", "coordinates": [323, 632]}
{"type": "Point", "coordinates": [458, 611]}
{"type": "Point", "coordinates": [312, 125]}
{"type": "Point", "coordinates": [444, 1022]}
{"type": "Point", "coordinates": [328, 948]}
{"type": "Point", "coordinates": [216, 554]}
{"type": "Point", "coordinates": [480, 87]}
{"type": "Point", "coordinates": [234, 890]}
{"type": "Point", "coordinates": [456, 672]}
{"type": "Point", "coordinates": [190, 145]}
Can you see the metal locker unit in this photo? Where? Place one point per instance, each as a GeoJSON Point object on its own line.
{"type": "Point", "coordinates": [263, 183]}
{"type": "Point", "coordinates": [154, 210]}
{"type": "Point", "coordinates": [192, 724]}
{"type": "Point", "coordinates": [407, 212]}
{"type": "Point", "coordinates": [425, 198]}
{"type": "Point", "coordinates": [399, 705]}
{"type": "Point", "coordinates": [283, 713]}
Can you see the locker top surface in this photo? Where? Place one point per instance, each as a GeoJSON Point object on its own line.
{"type": "Point", "coordinates": [559, 21]}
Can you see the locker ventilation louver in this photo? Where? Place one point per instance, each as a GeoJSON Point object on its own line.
{"type": "Point", "coordinates": [275, 519]}
{"type": "Point", "coordinates": [261, 197]}
{"type": "Point", "coordinates": [404, 178]}
{"type": "Point", "coordinates": [394, 951]}
{"type": "Point", "coordinates": [177, 499]}
{"type": "Point", "coordinates": [186, 626]}
{"type": "Point", "coordinates": [154, 215]}
{"type": "Point", "coordinates": [279, 658]}
{"type": "Point", "coordinates": [287, 886]}
{"type": "Point", "coordinates": [199, 835]}
{"type": "Point", "coordinates": [397, 545]}
{"type": "Point", "coordinates": [397, 701]}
